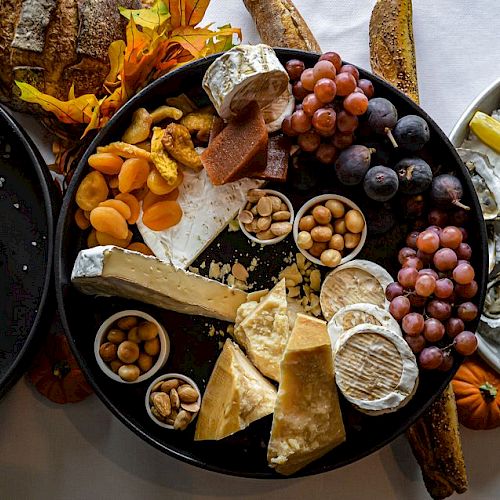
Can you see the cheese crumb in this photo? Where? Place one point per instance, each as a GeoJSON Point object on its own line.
{"type": "Point", "coordinates": [25, 268]}
{"type": "Point", "coordinates": [2, 181]}
{"type": "Point", "coordinates": [16, 205]}
{"type": "Point", "coordinates": [233, 226]}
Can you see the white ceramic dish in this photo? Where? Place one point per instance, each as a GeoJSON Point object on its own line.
{"type": "Point", "coordinates": [272, 241]}
{"type": "Point", "coordinates": [164, 345]}
{"type": "Point", "coordinates": [320, 199]}
{"type": "Point", "coordinates": [486, 101]}
{"type": "Point", "coordinates": [161, 378]}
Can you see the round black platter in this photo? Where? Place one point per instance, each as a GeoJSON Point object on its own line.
{"type": "Point", "coordinates": [193, 351]}
{"type": "Point", "coordinates": [27, 224]}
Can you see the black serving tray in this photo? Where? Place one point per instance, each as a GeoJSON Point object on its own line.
{"type": "Point", "coordinates": [193, 351]}
{"type": "Point", "coordinates": [28, 202]}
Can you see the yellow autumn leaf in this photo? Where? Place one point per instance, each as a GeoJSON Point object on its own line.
{"type": "Point", "coordinates": [116, 54]}
{"type": "Point", "coordinates": [151, 18]}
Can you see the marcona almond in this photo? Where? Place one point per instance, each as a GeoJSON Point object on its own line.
{"type": "Point", "coordinates": [281, 228]}
{"type": "Point", "coordinates": [156, 414]}
{"type": "Point", "coordinates": [265, 235]}
{"type": "Point", "coordinates": [264, 223]}
{"type": "Point", "coordinates": [187, 394]}
{"type": "Point", "coordinates": [281, 215]}
{"type": "Point", "coordinates": [182, 420]}
{"type": "Point", "coordinates": [191, 407]}
{"type": "Point", "coordinates": [240, 273]}
{"type": "Point", "coordinates": [161, 402]}
{"type": "Point", "coordinates": [245, 216]}
{"type": "Point", "coordinates": [174, 399]}
{"type": "Point", "coordinates": [265, 206]}
{"type": "Point", "coordinates": [157, 386]}
{"type": "Point", "coordinates": [168, 385]}
{"type": "Point", "coordinates": [275, 203]}
{"type": "Point", "coordinates": [254, 195]}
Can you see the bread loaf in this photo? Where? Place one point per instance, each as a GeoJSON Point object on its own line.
{"type": "Point", "coordinates": [280, 24]}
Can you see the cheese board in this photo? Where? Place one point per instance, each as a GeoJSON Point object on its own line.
{"type": "Point", "coordinates": [198, 291]}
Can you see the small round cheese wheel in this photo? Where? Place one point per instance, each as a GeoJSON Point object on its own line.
{"type": "Point", "coordinates": [358, 314]}
{"type": "Point", "coordinates": [375, 369]}
{"type": "Point", "coordinates": [354, 282]}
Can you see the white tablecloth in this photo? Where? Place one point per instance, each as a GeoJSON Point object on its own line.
{"type": "Point", "coordinates": [81, 451]}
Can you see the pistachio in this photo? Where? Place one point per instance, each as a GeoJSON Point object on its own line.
{"type": "Point", "coordinates": [265, 206]}
{"type": "Point", "coordinates": [167, 385]}
{"type": "Point", "coordinates": [245, 216]}
{"type": "Point", "coordinates": [281, 215]}
{"type": "Point", "coordinates": [182, 420]}
{"type": "Point", "coordinates": [281, 228]}
{"type": "Point", "coordinates": [187, 394]}
{"type": "Point", "coordinates": [161, 402]}
{"type": "Point", "coordinates": [174, 399]}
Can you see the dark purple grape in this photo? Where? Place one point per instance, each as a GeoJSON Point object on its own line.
{"type": "Point", "coordinates": [411, 239]}
{"type": "Point", "coordinates": [352, 164]}
{"type": "Point", "coordinates": [406, 252]}
{"type": "Point", "coordinates": [467, 311]}
{"type": "Point", "coordinates": [393, 290]}
{"type": "Point", "coordinates": [411, 133]}
{"type": "Point", "coordinates": [467, 291]}
{"type": "Point", "coordinates": [294, 68]}
{"type": "Point", "coordinates": [464, 251]}
{"type": "Point", "coordinates": [438, 309]}
{"type": "Point", "coordinates": [380, 183]}
{"type": "Point", "coordinates": [416, 300]}
{"type": "Point", "coordinates": [437, 218]}
{"type": "Point", "coordinates": [447, 362]}
{"type": "Point", "coordinates": [414, 174]}
{"type": "Point", "coordinates": [454, 326]}
{"type": "Point", "coordinates": [416, 343]}
{"type": "Point", "coordinates": [430, 358]}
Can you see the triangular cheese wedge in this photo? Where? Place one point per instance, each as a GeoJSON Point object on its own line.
{"type": "Point", "coordinates": [263, 333]}
{"type": "Point", "coordinates": [236, 395]}
{"type": "Point", "coordinates": [307, 421]}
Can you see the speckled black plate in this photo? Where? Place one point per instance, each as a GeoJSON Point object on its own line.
{"type": "Point", "coordinates": [193, 351]}
{"type": "Point", "coordinates": [27, 215]}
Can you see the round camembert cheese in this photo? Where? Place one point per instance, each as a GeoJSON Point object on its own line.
{"type": "Point", "coordinates": [354, 282]}
{"type": "Point", "coordinates": [375, 369]}
{"type": "Point", "coordinates": [243, 74]}
{"type": "Point", "coordinates": [359, 314]}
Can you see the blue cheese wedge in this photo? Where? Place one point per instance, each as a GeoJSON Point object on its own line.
{"type": "Point", "coordinates": [375, 369]}
{"type": "Point", "coordinates": [114, 271]}
{"type": "Point", "coordinates": [207, 210]}
{"type": "Point", "coordinates": [307, 421]}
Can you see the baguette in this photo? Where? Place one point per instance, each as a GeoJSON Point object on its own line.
{"type": "Point", "coordinates": [392, 50]}
{"type": "Point", "coordinates": [280, 24]}
{"type": "Point", "coordinates": [435, 442]}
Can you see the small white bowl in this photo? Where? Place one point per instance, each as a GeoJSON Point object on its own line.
{"type": "Point", "coordinates": [316, 201]}
{"type": "Point", "coordinates": [168, 376]}
{"type": "Point", "coordinates": [164, 345]}
{"type": "Point", "coordinates": [272, 241]}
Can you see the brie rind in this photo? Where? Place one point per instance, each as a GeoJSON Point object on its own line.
{"type": "Point", "coordinates": [206, 209]}
{"type": "Point", "coordinates": [358, 314]}
{"type": "Point", "coordinates": [114, 271]}
{"type": "Point", "coordinates": [354, 282]}
{"type": "Point", "coordinates": [275, 112]}
{"type": "Point", "coordinates": [375, 369]}
{"type": "Point", "coordinates": [243, 74]}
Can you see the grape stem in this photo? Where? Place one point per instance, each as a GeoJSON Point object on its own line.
{"type": "Point", "coordinates": [388, 131]}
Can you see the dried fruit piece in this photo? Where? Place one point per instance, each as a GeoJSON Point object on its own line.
{"type": "Point", "coordinates": [113, 182]}
{"type": "Point", "coordinates": [119, 206]}
{"type": "Point", "coordinates": [159, 186]}
{"type": "Point", "coordinates": [162, 215]}
{"type": "Point", "coordinates": [108, 220]}
{"type": "Point", "coordinates": [139, 128]}
{"type": "Point", "coordinates": [163, 112]}
{"type": "Point", "coordinates": [133, 205]}
{"type": "Point", "coordinates": [151, 198]}
{"type": "Point", "coordinates": [177, 141]}
{"type": "Point", "coordinates": [107, 239]}
{"type": "Point", "coordinates": [106, 163]}
{"type": "Point", "coordinates": [133, 174]}
{"type": "Point", "coordinates": [92, 239]}
{"type": "Point", "coordinates": [125, 150]}
{"type": "Point", "coordinates": [165, 165]}
{"type": "Point", "coordinates": [91, 191]}
{"type": "Point", "coordinates": [196, 122]}
{"type": "Point", "coordinates": [81, 221]}
{"type": "Point", "coordinates": [140, 247]}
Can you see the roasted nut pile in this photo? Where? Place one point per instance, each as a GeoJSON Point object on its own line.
{"type": "Point", "coordinates": [130, 347]}
{"type": "Point", "coordinates": [174, 402]}
{"type": "Point", "coordinates": [267, 216]}
{"type": "Point", "coordinates": [330, 231]}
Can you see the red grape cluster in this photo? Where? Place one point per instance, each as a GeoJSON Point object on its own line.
{"type": "Point", "coordinates": [330, 97]}
{"type": "Point", "coordinates": [432, 297]}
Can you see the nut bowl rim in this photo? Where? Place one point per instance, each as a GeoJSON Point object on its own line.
{"type": "Point", "coordinates": [314, 201]}
{"type": "Point", "coordinates": [167, 376]}
{"type": "Point", "coordinates": [162, 356]}
{"type": "Point", "coordinates": [272, 241]}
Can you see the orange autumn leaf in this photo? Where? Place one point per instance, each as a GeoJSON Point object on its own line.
{"type": "Point", "coordinates": [186, 12]}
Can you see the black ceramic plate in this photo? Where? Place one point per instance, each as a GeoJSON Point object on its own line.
{"type": "Point", "coordinates": [27, 215]}
{"type": "Point", "coordinates": [193, 351]}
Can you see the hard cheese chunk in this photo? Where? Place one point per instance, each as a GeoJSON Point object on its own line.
{"type": "Point", "coordinates": [236, 395]}
{"type": "Point", "coordinates": [109, 270]}
{"type": "Point", "coordinates": [235, 146]}
{"type": "Point", "coordinates": [263, 333]}
{"type": "Point", "coordinates": [307, 421]}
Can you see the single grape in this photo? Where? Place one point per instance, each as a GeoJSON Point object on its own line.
{"type": "Point", "coordinates": [464, 232]}
{"type": "Point", "coordinates": [428, 241]}
{"type": "Point", "coordinates": [352, 164]}
{"type": "Point", "coordinates": [433, 330]}
{"type": "Point", "coordinates": [345, 84]}
{"type": "Point", "coordinates": [298, 91]}
{"type": "Point", "coordinates": [367, 87]}
{"type": "Point", "coordinates": [411, 239]}
{"type": "Point", "coordinates": [325, 90]}
{"type": "Point", "coordinates": [438, 309]}
{"type": "Point", "coordinates": [417, 301]}
{"type": "Point", "coordinates": [437, 218]}
{"type": "Point", "coordinates": [393, 290]}
{"type": "Point", "coordinates": [425, 285]}
{"type": "Point", "coordinates": [399, 307]}
{"type": "Point", "coordinates": [294, 68]}
{"type": "Point", "coordinates": [404, 253]}
{"type": "Point", "coordinates": [463, 274]}
{"type": "Point", "coordinates": [465, 343]}
{"type": "Point", "coordinates": [356, 103]}
{"type": "Point", "coordinates": [300, 121]}
{"type": "Point", "coordinates": [467, 311]}
{"type": "Point", "coordinates": [444, 288]}
{"type": "Point", "coordinates": [309, 141]}
{"type": "Point", "coordinates": [307, 79]}
{"type": "Point", "coordinates": [467, 291]}
{"type": "Point", "coordinates": [324, 69]}
{"type": "Point", "coordinates": [408, 277]}
{"type": "Point", "coordinates": [311, 104]}
{"type": "Point", "coordinates": [454, 326]}
{"type": "Point", "coordinates": [430, 358]}
{"type": "Point", "coordinates": [445, 259]}
{"type": "Point", "coordinates": [346, 123]}
{"type": "Point", "coordinates": [323, 120]}
{"type": "Point", "coordinates": [411, 133]}
{"type": "Point", "coordinates": [434, 229]}
{"type": "Point", "coordinates": [450, 237]}
{"type": "Point", "coordinates": [286, 127]}
{"type": "Point", "coordinates": [326, 154]}
{"type": "Point", "coordinates": [429, 272]}
{"type": "Point", "coordinates": [413, 324]}
{"type": "Point", "coordinates": [414, 262]}
{"type": "Point", "coordinates": [380, 183]}
{"type": "Point", "coordinates": [416, 343]}
{"type": "Point", "coordinates": [334, 58]}
{"type": "Point", "coordinates": [342, 141]}
{"type": "Point", "coordinates": [426, 258]}
{"type": "Point", "coordinates": [464, 251]}
{"type": "Point", "coordinates": [447, 363]}
{"type": "Point", "coordinates": [352, 70]}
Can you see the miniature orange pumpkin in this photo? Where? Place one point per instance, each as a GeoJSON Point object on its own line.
{"type": "Point", "coordinates": [56, 374]}
{"type": "Point", "coordinates": [477, 394]}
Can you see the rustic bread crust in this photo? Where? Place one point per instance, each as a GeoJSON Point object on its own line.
{"type": "Point", "coordinates": [280, 24]}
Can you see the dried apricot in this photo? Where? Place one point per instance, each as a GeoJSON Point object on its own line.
{"type": "Point", "coordinates": [137, 246]}
{"type": "Point", "coordinates": [139, 128]}
{"type": "Point", "coordinates": [133, 174]}
{"type": "Point", "coordinates": [110, 221]}
{"type": "Point", "coordinates": [107, 239]}
{"type": "Point", "coordinates": [106, 163]}
{"type": "Point", "coordinates": [133, 204]}
{"type": "Point", "coordinates": [140, 193]}
{"type": "Point", "coordinates": [113, 182]}
{"type": "Point", "coordinates": [158, 185]}
{"type": "Point", "coordinates": [81, 221]}
{"type": "Point", "coordinates": [86, 213]}
{"type": "Point", "coordinates": [162, 215]}
{"type": "Point", "coordinates": [91, 191]}
{"type": "Point", "coordinates": [151, 198]}
{"type": "Point", "coordinates": [119, 206]}
{"type": "Point", "coordinates": [92, 239]}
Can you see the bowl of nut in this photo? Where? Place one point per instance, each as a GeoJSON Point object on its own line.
{"type": "Point", "coordinates": [173, 401]}
{"type": "Point", "coordinates": [329, 230]}
{"type": "Point", "coordinates": [267, 217]}
{"type": "Point", "coordinates": [131, 346]}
